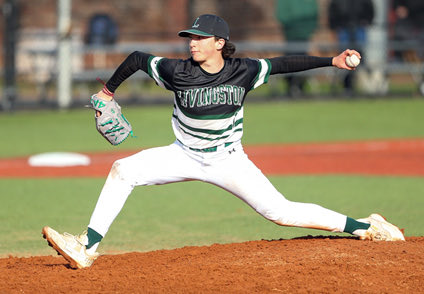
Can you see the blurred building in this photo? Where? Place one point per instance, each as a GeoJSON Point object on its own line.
{"type": "Point", "coordinates": [141, 20]}
{"type": "Point", "coordinates": [144, 25]}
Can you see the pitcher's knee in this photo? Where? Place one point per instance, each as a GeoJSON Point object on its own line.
{"type": "Point", "coordinates": [270, 214]}
{"type": "Point", "coordinates": [117, 171]}
{"type": "Point", "coordinates": [277, 217]}
{"type": "Point", "coordinates": [277, 212]}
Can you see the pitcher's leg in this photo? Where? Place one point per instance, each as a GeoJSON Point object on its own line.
{"type": "Point", "coordinates": [154, 166]}
{"type": "Point", "coordinates": [111, 200]}
{"type": "Point", "coordinates": [241, 177]}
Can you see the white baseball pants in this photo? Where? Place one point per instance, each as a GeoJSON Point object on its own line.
{"type": "Point", "coordinates": [228, 168]}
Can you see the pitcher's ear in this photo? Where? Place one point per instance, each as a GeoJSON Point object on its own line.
{"type": "Point", "coordinates": [220, 43]}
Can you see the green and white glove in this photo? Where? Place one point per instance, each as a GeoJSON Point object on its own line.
{"type": "Point", "coordinates": [111, 123]}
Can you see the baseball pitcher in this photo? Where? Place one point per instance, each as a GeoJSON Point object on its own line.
{"type": "Point", "coordinates": [209, 89]}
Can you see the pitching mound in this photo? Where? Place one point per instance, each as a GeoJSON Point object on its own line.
{"type": "Point", "coordinates": [310, 264]}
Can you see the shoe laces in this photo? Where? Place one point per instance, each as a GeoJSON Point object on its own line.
{"type": "Point", "coordinates": [379, 233]}
{"type": "Point", "coordinates": [78, 238]}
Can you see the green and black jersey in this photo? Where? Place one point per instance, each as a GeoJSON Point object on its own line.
{"type": "Point", "coordinates": [208, 108]}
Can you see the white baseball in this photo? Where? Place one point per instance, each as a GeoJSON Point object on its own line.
{"type": "Point", "coordinates": [353, 60]}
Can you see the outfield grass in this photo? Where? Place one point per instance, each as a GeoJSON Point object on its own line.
{"type": "Point", "coordinates": [273, 122]}
{"type": "Point", "coordinates": [195, 213]}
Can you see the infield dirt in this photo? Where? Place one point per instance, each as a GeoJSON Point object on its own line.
{"type": "Point", "coordinates": [382, 157]}
{"type": "Point", "coordinates": [302, 265]}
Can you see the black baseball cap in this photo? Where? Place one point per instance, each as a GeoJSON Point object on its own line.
{"type": "Point", "coordinates": [208, 25]}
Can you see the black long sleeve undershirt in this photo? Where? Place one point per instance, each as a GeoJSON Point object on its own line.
{"type": "Point", "coordinates": [295, 63]}
{"type": "Point", "coordinates": [134, 62]}
{"type": "Point", "coordinates": [284, 64]}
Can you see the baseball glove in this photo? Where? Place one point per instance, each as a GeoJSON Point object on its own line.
{"type": "Point", "coordinates": [111, 123]}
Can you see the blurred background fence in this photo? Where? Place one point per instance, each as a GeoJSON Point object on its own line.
{"type": "Point", "coordinates": [53, 50]}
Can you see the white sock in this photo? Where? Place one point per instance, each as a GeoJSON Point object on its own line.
{"type": "Point", "coordinates": [93, 248]}
{"type": "Point", "coordinates": [359, 232]}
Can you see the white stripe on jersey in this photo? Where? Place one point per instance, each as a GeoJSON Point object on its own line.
{"type": "Point", "coordinates": [155, 73]}
{"type": "Point", "coordinates": [206, 133]}
{"type": "Point", "coordinates": [263, 74]}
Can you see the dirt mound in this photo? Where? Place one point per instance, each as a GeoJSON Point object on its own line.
{"type": "Point", "coordinates": [302, 265]}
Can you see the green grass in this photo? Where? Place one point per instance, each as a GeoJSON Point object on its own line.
{"type": "Point", "coordinates": [334, 120]}
{"type": "Point", "coordinates": [193, 213]}
{"type": "Point", "coordinates": [273, 122]}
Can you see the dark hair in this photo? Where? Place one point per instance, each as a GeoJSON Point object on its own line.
{"type": "Point", "coordinates": [228, 49]}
